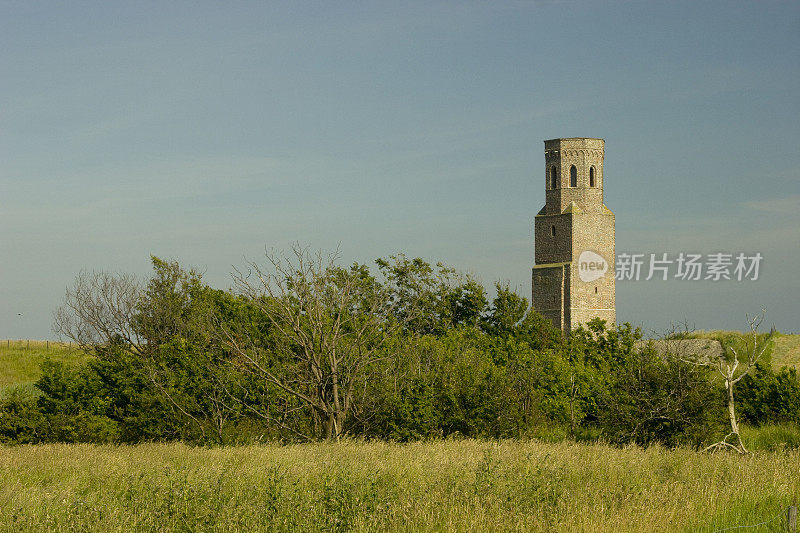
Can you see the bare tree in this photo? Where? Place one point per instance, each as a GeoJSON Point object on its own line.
{"type": "Point", "coordinates": [99, 308]}
{"type": "Point", "coordinates": [727, 366]}
{"type": "Point", "coordinates": [328, 324]}
{"type": "Point", "coordinates": [108, 313]}
{"type": "Point", "coordinates": [733, 364]}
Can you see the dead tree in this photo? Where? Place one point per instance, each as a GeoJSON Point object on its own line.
{"type": "Point", "coordinates": [733, 364]}
{"type": "Point", "coordinates": [727, 366]}
{"type": "Point", "coordinates": [99, 308]}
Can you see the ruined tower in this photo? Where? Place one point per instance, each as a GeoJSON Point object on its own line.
{"type": "Point", "coordinates": [573, 275]}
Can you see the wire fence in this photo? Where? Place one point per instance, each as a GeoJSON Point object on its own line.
{"type": "Point", "coordinates": [786, 520]}
{"type": "Point", "coordinates": [30, 344]}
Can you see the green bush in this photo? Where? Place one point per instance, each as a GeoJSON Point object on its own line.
{"type": "Point", "coordinates": [21, 422]}
{"type": "Point", "coordinates": [767, 397]}
{"type": "Point", "coordinates": [635, 395]}
{"type": "Point", "coordinates": [107, 400]}
{"type": "Point", "coordinates": [650, 399]}
{"type": "Point", "coordinates": [204, 366]}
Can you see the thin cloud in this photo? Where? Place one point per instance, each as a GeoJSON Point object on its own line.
{"type": "Point", "coordinates": [785, 205]}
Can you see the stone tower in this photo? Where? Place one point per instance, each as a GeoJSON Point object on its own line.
{"type": "Point", "coordinates": [573, 278]}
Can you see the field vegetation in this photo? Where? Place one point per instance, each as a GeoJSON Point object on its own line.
{"type": "Point", "coordinates": [304, 349]}
{"type": "Point", "coordinates": [454, 485]}
{"type": "Point", "coordinates": [401, 399]}
{"type": "Point", "coordinates": [21, 361]}
{"type": "Point", "coordinates": [786, 352]}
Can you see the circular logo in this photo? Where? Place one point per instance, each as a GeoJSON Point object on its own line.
{"type": "Point", "coordinates": [591, 266]}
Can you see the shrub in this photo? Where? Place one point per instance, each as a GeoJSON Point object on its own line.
{"type": "Point", "coordinates": [651, 399]}
{"type": "Point", "coordinates": [21, 422]}
{"type": "Point", "coordinates": [635, 395]}
{"type": "Point", "coordinates": [769, 397]}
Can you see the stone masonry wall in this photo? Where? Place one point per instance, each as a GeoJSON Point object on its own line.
{"type": "Point", "coordinates": [583, 154]}
{"type": "Point", "coordinates": [581, 222]}
{"type": "Point", "coordinates": [549, 248]}
{"type": "Point", "coordinates": [549, 295]}
{"type": "Point", "coordinates": [597, 298]}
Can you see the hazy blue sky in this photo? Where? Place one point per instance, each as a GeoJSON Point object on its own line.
{"type": "Point", "coordinates": [204, 132]}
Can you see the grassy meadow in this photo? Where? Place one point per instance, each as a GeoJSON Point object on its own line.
{"type": "Point", "coordinates": [352, 486]}
{"type": "Point", "coordinates": [20, 361]}
{"type": "Point", "coordinates": [784, 349]}
{"type": "Point", "coordinates": [452, 485]}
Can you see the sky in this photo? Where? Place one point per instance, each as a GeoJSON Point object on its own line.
{"type": "Point", "coordinates": [207, 132]}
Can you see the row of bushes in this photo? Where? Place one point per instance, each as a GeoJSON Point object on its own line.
{"type": "Point", "coordinates": [502, 390]}
{"type": "Point", "coordinates": [463, 382]}
{"type": "Point", "coordinates": [459, 366]}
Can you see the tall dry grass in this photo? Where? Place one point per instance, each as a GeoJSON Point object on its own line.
{"type": "Point", "coordinates": [438, 486]}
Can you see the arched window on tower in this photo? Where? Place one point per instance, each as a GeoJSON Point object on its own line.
{"type": "Point", "coordinates": [591, 177]}
{"type": "Point", "coordinates": [553, 178]}
{"type": "Point", "coordinates": [573, 176]}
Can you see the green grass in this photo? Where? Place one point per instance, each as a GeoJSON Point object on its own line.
{"type": "Point", "coordinates": [784, 350]}
{"type": "Point", "coordinates": [771, 437]}
{"type": "Point", "coordinates": [463, 485]}
{"type": "Point", "coordinates": [439, 486]}
{"type": "Point", "coordinates": [20, 361]}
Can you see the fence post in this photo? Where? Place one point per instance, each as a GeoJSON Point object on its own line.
{"type": "Point", "coordinates": [792, 518]}
{"type": "Point", "coordinates": [28, 347]}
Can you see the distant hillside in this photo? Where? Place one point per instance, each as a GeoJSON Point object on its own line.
{"type": "Point", "coordinates": [784, 349]}
{"type": "Point", "coordinates": [20, 361]}
{"type": "Point", "coordinates": [704, 348]}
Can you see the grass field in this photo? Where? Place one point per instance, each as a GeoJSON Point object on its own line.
{"type": "Point", "coordinates": [435, 486]}
{"type": "Point", "coordinates": [442, 486]}
{"type": "Point", "coordinates": [785, 349]}
{"type": "Point", "coordinates": [20, 361]}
